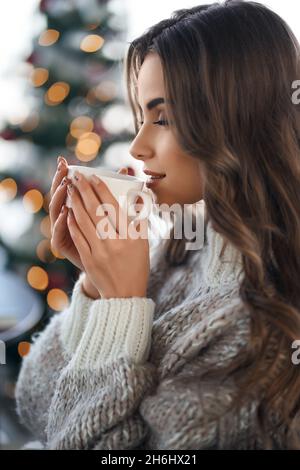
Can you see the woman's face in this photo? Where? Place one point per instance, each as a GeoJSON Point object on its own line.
{"type": "Point", "coordinates": [157, 147]}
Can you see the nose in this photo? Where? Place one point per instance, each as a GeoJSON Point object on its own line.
{"type": "Point", "coordinates": [140, 150]}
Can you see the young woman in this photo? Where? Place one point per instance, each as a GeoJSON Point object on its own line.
{"type": "Point", "coordinates": [186, 349]}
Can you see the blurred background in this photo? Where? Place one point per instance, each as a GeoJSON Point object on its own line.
{"type": "Point", "coordinates": [62, 92]}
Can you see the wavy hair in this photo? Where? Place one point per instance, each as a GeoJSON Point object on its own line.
{"type": "Point", "coordinates": [228, 72]}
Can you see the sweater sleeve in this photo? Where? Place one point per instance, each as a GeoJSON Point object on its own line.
{"type": "Point", "coordinates": [50, 351]}
{"type": "Point", "coordinates": [96, 400]}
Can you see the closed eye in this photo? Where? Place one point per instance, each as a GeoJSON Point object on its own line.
{"type": "Point", "coordinates": [161, 122]}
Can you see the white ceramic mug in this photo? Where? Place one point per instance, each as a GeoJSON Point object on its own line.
{"type": "Point", "coordinates": [125, 189]}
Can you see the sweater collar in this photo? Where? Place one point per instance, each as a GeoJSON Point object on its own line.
{"type": "Point", "coordinates": [217, 269]}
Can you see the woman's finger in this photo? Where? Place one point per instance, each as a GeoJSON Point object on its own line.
{"type": "Point", "coordinates": [89, 198]}
{"type": "Point", "coordinates": [61, 171]}
{"type": "Point", "coordinates": [82, 217]}
{"type": "Point", "coordinates": [59, 228]}
{"type": "Point", "coordinates": [78, 238]}
{"type": "Point", "coordinates": [57, 200]}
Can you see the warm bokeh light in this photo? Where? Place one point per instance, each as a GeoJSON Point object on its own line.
{"type": "Point", "coordinates": [39, 76]}
{"type": "Point", "coordinates": [37, 278]}
{"type": "Point", "coordinates": [106, 90]}
{"type": "Point", "coordinates": [57, 299]}
{"type": "Point", "coordinates": [57, 93]}
{"type": "Point", "coordinates": [91, 97]}
{"type": "Point", "coordinates": [44, 252]}
{"type": "Point", "coordinates": [80, 125]}
{"type": "Point", "coordinates": [8, 190]}
{"type": "Point", "coordinates": [91, 43]}
{"type": "Point", "coordinates": [45, 226]}
{"type": "Point", "coordinates": [30, 123]}
{"type": "Point", "coordinates": [88, 146]}
{"type": "Point", "coordinates": [33, 200]}
{"type": "Point", "coordinates": [57, 254]}
{"type": "Point", "coordinates": [48, 37]}
{"type": "Point", "coordinates": [24, 348]}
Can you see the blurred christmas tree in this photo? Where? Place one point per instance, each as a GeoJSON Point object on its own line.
{"type": "Point", "coordinates": [74, 76]}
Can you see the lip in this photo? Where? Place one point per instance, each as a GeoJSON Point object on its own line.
{"type": "Point", "coordinates": [152, 183]}
{"type": "Point", "coordinates": [153, 173]}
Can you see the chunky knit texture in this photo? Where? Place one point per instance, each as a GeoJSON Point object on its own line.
{"type": "Point", "coordinates": [130, 373]}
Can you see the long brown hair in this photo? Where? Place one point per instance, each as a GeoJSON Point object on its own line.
{"type": "Point", "coordinates": [228, 73]}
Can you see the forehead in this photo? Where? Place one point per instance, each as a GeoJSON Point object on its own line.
{"type": "Point", "coordinates": [150, 79]}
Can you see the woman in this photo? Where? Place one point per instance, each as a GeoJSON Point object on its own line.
{"type": "Point", "coordinates": [198, 351]}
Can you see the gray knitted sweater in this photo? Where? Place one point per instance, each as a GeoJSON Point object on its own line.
{"type": "Point", "coordinates": [130, 373]}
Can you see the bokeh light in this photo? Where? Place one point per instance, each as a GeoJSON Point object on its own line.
{"type": "Point", "coordinates": [39, 76]}
{"type": "Point", "coordinates": [30, 123]}
{"type": "Point", "coordinates": [57, 93]}
{"type": "Point", "coordinates": [57, 254]}
{"type": "Point", "coordinates": [45, 226]}
{"type": "Point", "coordinates": [8, 190]}
{"type": "Point", "coordinates": [48, 37]}
{"type": "Point", "coordinates": [80, 125]}
{"type": "Point", "coordinates": [106, 90]}
{"type": "Point", "coordinates": [44, 252]}
{"type": "Point", "coordinates": [33, 200]}
{"type": "Point", "coordinates": [37, 278]}
{"type": "Point", "coordinates": [24, 348]}
{"type": "Point", "coordinates": [57, 299]}
{"type": "Point", "coordinates": [91, 43]}
{"type": "Point", "coordinates": [88, 146]}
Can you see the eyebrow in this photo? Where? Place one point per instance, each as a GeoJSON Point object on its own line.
{"type": "Point", "coordinates": [154, 102]}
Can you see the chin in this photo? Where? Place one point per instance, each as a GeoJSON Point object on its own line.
{"type": "Point", "coordinates": [164, 198]}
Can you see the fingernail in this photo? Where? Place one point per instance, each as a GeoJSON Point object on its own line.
{"type": "Point", "coordinates": [77, 176]}
{"type": "Point", "coordinates": [63, 208]}
{"type": "Point", "coordinates": [64, 180]}
{"type": "Point", "coordinates": [95, 179]}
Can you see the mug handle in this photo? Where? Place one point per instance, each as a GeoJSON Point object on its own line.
{"type": "Point", "coordinates": [147, 206]}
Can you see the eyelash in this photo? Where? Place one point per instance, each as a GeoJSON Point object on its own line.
{"type": "Point", "coordinates": [161, 122]}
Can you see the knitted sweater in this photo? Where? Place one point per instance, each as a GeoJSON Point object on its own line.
{"type": "Point", "coordinates": [129, 373]}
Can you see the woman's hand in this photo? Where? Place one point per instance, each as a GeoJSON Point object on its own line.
{"type": "Point", "coordinates": [117, 264]}
{"type": "Point", "coordinates": [61, 240]}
